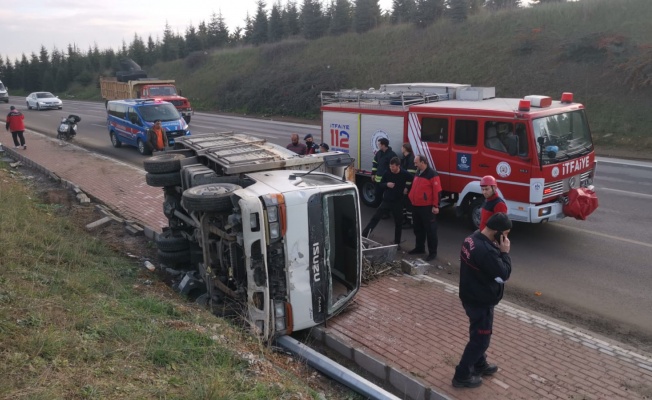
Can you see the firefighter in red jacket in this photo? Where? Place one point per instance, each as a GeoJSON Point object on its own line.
{"type": "Point", "coordinates": [16, 126]}
{"type": "Point", "coordinates": [424, 196]}
{"type": "Point", "coordinates": [492, 202]}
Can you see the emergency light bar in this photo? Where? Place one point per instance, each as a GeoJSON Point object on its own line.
{"type": "Point", "coordinates": [524, 105]}
{"type": "Point", "coordinates": [539, 101]}
{"type": "Point", "coordinates": [567, 97]}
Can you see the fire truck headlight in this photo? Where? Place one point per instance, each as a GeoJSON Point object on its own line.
{"type": "Point", "coordinates": [545, 211]}
{"type": "Point", "coordinates": [274, 230]}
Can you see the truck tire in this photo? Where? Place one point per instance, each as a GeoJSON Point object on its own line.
{"type": "Point", "coordinates": [162, 163]}
{"type": "Point", "coordinates": [213, 197]}
{"type": "Point", "coordinates": [115, 141]}
{"type": "Point", "coordinates": [171, 258]}
{"type": "Point", "coordinates": [142, 148]}
{"type": "Point", "coordinates": [474, 212]}
{"type": "Point", "coordinates": [162, 180]}
{"type": "Point", "coordinates": [169, 242]}
{"type": "Point", "coordinates": [368, 193]}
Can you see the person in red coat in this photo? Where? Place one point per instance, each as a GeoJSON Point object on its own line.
{"type": "Point", "coordinates": [424, 196]}
{"type": "Point", "coordinates": [16, 126]}
{"type": "Point", "coordinates": [492, 202]}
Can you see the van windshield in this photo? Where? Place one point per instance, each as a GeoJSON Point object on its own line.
{"type": "Point", "coordinates": [565, 136]}
{"type": "Point", "coordinates": [162, 111]}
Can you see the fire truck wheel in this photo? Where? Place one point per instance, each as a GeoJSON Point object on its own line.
{"type": "Point", "coordinates": [213, 197]}
{"type": "Point", "coordinates": [162, 163]}
{"type": "Point", "coordinates": [475, 212]}
{"type": "Point", "coordinates": [168, 241]}
{"type": "Point", "coordinates": [162, 180]}
{"type": "Point", "coordinates": [368, 193]}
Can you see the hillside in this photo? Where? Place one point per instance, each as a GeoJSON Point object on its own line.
{"type": "Point", "coordinates": [601, 50]}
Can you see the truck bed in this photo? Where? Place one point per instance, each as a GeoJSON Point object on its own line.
{"type": "Point", "coordinates": [239, 153]}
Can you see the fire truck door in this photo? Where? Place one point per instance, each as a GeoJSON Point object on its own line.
{"type": "Point", "coordinates": [429, 135]}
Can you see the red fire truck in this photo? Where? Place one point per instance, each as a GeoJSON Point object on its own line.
{"type": "Point", "coordinates": [539, 150]}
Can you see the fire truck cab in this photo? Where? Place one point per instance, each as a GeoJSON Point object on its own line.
{"type": "Point", "coordinates": [538, 149]}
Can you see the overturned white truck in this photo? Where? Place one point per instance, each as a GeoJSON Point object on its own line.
{"type": "Point", "coordinates": [262, 233]}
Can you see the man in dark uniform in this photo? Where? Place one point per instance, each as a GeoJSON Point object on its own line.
{"type": "Point", "coordinates": [311, 146]}
{"type": "Point", "coordinates": [394, 184]}
{"type": "Point", "coordinates": [485, 266]}
{"type": "Point", "coordinates": [381, 164]}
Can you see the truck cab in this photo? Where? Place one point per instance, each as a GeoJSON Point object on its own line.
{"type": "Point", "coordinates": [268, 234]}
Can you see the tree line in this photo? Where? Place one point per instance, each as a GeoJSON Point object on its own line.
{"type": "Point", "coordinates": [58, 69]}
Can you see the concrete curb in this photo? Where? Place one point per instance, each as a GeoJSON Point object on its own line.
{"type": "Point", "coordinates": [409, 386]}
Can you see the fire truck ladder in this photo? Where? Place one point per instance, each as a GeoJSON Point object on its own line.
{"type": "Point", "coordinates": [378, 98]}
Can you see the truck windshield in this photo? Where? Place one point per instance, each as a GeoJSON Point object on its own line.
{"type": "Point", "coordinates": [162, 91]}
{"type": "Point", "coordinates": [162, 111]}
{"type": "Point", "coordinates": [565, 135]}
{"type": "Point", "coordinates": [342, 248]}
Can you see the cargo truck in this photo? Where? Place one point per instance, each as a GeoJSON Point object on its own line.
{"type": "Point", "coordinates": [146, 88]}
{"type": "Point", "coordinates": [261, 232]}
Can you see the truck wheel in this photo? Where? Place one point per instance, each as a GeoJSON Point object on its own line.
{"type": "Point", "coordinates": [174, 257]}
{"type": "Point", "coordinates": [368, 193]}
{"type": "Point", "coordinates": [162, 180]}
{"type": "Point", "coordinates": [163, 163]}
{"type": "Point", "coordinates": [213, 197]}
{"type": "Point", "coordinates": [169, 242]}
{"type": "Point", "coordinates": [474, 213]}
{"type": "Point", "coordinates": [114, 140]}
{"type": "Point", "coordinates": [187, 118]}
{"type": "Point", "coordinates": [142, 148]}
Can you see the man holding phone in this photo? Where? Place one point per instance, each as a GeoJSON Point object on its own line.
{"type": "Point", "coordinates": [484, 268]}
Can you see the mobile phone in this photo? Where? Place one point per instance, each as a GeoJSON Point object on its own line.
{"type": "Point", "coordinates": [498, 236]}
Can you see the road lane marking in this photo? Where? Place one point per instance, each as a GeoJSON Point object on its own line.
{"type": "Point", "coordinates": [604, 235]}
{"type": "Point", "coordinates": [635, 194]}
{"type": "Point", "coordinates": [621, 161]}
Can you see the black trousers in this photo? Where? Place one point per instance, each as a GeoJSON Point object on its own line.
{"type": "Point", "coordinates": [425, 228]}
{"type": "Point", "coordinates": [481, 320]}
{"type": "Point", "coordinates": [393, 207]}
{"type": "Point", "coordinates": [18, 135]}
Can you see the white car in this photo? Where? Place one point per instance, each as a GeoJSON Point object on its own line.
{"type": "Point", "coordinates": [43, 100]}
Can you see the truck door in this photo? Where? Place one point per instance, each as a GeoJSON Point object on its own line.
{"type": "Point", "coordinates": [429, 135]}
{"type": "Point", "coordinates": [505, 154]}
{"type": "Point", "coordinates": [465, 161]}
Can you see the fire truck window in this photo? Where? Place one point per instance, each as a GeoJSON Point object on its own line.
{"type": "Point", "coordinates": [466, 133]}
{"type": "Point", "coordinates": [521, 140]}
{"type": "Point", "coordinates": [434, 130]}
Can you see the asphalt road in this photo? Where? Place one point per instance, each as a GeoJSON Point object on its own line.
{"type": "Point", "coordinates": [596, 271]}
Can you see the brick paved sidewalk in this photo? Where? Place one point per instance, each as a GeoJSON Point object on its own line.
{"type": "Point", "coordinates": [413, 328]}
{"type": "Point", "coordinates": [417, 325]}
{"type": "Point", "coordinates": [118, 185]}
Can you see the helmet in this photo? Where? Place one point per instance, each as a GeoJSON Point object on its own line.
{"type": "Point", "coordinates": [488, 180]}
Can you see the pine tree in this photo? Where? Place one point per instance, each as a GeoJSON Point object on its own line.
{"type": "Point", "coordinates": [366, 15]}
{"type": "Point", "coordinates": [342, 19]}
{"type": "Point", "coordinates": [403, 11]}
{"type": "Point", "coordinates": [259, 25]}
{"type": "Point", "coordinates": [312, 19]}
{"type": "Point", "coordinates": [291, 19]}
{"type": "Point", "coordinates": [276, 26]}
{"type": "Point", "coordinates": [428, 11]}
{"type": "Point", "coordinates": [458, 10]}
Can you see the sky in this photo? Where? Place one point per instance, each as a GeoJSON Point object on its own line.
{"type": "Point", "coordinates": [25, 26]}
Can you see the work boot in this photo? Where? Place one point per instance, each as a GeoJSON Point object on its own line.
{"type": "Point", "coordinates": [416, 251]}
{"type": "Point", "coordinates": [472, 381]}
{"type": "Point", "coordinates": [487, 370]}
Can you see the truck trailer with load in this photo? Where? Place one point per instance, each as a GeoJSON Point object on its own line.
{"type": "Point", "coordinates": [539, 150]}
{"type": "Point", "coordinates": [146, 88]}
{"type": "Point", "coordinates": [261, 232]}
